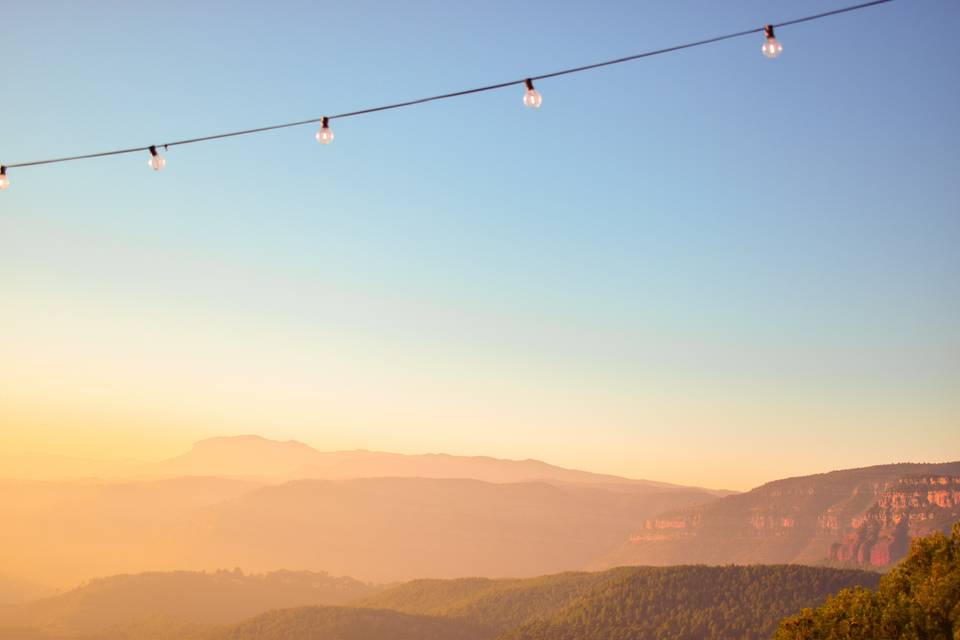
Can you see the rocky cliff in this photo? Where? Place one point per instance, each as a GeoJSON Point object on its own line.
{"type": "Point", "coordinates": [904, 509]}
{"type": "Point", "coordinates": [859, 517]}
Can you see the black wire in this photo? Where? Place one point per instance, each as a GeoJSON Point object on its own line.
{"type": "Point", "coordinates": [455, 94]}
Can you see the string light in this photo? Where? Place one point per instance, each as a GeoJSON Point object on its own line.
{"type": "Point", "coordinates": [325, 135]}
{"type": "Point", "coordinates": [532, 97]}
{"type": "Point", "coordinates": [156, 160]}
{"type": "Point", "coordinates": [772, 47]}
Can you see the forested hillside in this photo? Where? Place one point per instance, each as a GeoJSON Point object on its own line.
{"type": "Point", "coordinates": [341, 623]}
{"type": "Point", "coordinates": [627, 602]}
{"type": "Point", "coordinates": [918, 599]}
{"type": "Point", "coordinates": [498, 605]}
{"type": "Point", "coordinates": [690, 602]}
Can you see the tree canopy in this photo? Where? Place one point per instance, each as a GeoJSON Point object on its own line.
{"type": "Point", "coordinates": [919, 599]}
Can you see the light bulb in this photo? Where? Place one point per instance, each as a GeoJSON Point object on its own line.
{"type": "Point", "coordinates": [772, 47]}
{"type": "Point", "coordinates": [325, 135]}
{"type": "Point", "coordinates": [4, 180]}
{"type": "Point", "coordinates": [532, 97]}
{"type": "Point", "coordinates": [156, 160]}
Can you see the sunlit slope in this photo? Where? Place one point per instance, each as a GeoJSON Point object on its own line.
{"type": "Point", "coordinates": [855, 517]}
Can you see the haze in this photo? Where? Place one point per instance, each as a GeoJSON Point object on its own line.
{"type": "Point", "coordinates": [615, 282]}
{"type": "Point", "coordinates": [676, 354]}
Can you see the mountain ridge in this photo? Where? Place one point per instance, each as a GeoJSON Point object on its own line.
{"type": "Point", "coordinates": [255, 455]}
{"type": "Point", "coordinates": [864, 516]}
{"type": "Point", "coordinates": [255, 458]}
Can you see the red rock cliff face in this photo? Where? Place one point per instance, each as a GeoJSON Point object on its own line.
{"type": "Point", "coordinates": [864, 517]}
{"type": "Point", "coordinates": [905, 509]}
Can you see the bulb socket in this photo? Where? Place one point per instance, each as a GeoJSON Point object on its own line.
{"type": "Point", "coordinates": [529, 84]}
{"type": "Point", "coordinates": [153, 150]}
{"type": "Point", "coordinates": [325, 122]}
{"type": "Point", "coordinates": [3, 170]}
{"type": "Point", "coordinates": [768, 30]}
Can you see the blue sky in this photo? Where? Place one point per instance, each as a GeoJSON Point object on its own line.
{"type": "Point", "coordinates": [705, 267]}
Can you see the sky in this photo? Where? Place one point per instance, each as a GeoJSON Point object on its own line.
{"type": "Point", "coordinates": [705, 268]}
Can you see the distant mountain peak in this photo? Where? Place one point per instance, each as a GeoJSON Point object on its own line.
{"type": "Point", "coordinates": [249, 439]}
{"type": "Point", "coordinates": [253, 456]}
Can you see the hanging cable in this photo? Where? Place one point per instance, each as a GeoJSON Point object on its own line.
{"type": "Point", "coordinates": [531, 98]}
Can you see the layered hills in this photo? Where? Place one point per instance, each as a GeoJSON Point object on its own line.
{"type": "Point", "coordinates": [378, 516]}
{"type": "Point", "coordinates": [440, 521]}
{"type": "Point", "coordinates": [446, 517]}
{"type": "Point", "coordinates": [378, 529]}
{"type": "Point", "coordinates": [628, 602]}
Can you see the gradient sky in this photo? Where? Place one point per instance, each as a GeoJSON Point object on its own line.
{"type": "Point", "coordinates": [706, 268]}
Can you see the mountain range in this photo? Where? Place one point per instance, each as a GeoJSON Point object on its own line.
{"type": "Point", "coordinates": [380, 529]}
{"type": "Point", "coordinates": [258, 459]}
{"type": "Point", "coordinates": [265, 505]}
{"type": "Point", "coordinates": [270, 505]}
